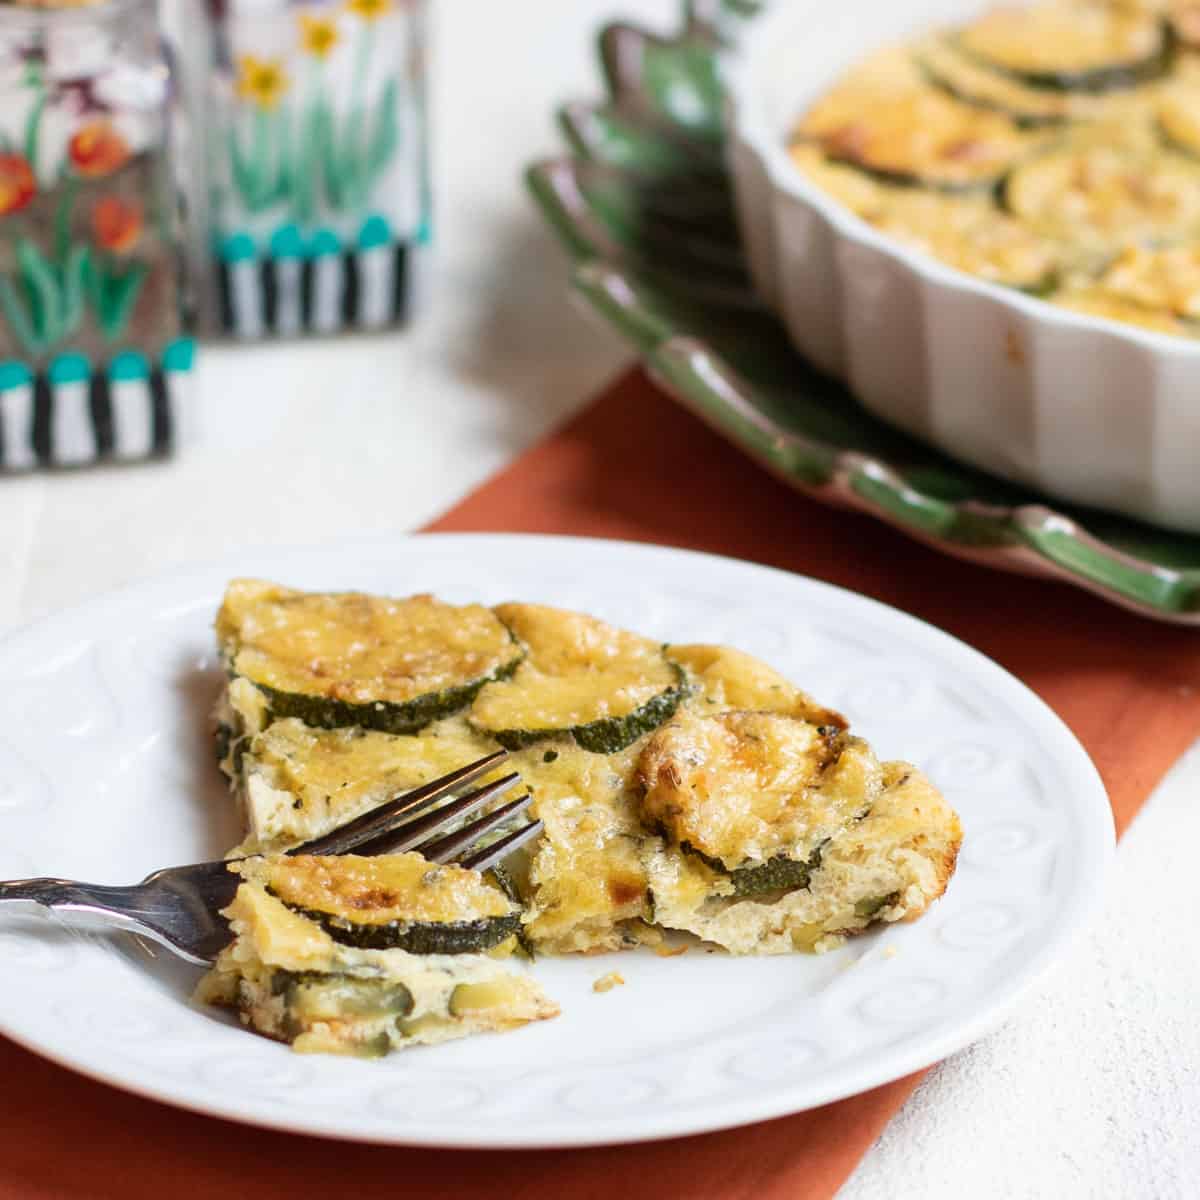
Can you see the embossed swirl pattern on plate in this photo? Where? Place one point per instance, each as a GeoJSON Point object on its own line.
{"type": "Point", "coordinates": [903, 1001]}
{"type": "Point", "coordinates": [429, 1096]}
{"type": "Point", "coordinates": [66, 698]}
{"type": "Point", "coordinates": [1008, 840]}
{"type": "Point", "coordinates": [252, 1074]}
{"type": "Point", "coordinates": [767, 1061]}
{"type": "Point", "coordinates": [978, 928]}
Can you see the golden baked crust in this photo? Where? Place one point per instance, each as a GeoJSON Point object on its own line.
{"type": "Point", "coordinates": [743, 787]}
{"type": "Point", "coordinates": [1036, 147]}
{"type": "Point", "coordinates": [331, 657]}
{"type": "Point", "coordinates": [744, 796]}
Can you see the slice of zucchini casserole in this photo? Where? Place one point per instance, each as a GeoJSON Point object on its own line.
{"type": "Point", "coordinates": [681, 787]}
{"type": "Point", "coordinates": [779, 834]}
{"type": "Point", "coordinates": [363, 956]}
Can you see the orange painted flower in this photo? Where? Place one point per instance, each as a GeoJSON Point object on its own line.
{"type": "Point", "coordinates": [117, 223]}
{"type": "Point", "coordinates": [17, 184]}
{"type": "Point", "coordinates": [97, 149]}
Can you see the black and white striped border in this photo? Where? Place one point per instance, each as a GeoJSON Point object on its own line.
{"type": "Point", "coordinates": [45, 424]}
{"type": "Point", "coordinates": [328, 293]}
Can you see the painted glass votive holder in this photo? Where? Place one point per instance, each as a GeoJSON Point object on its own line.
{"type": "Point", "coordinates": [320, 196]}
{"type": "Point", "coordinates": [92, 297]}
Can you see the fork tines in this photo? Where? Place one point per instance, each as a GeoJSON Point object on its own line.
{"type": "Point", "coordinates": [355, 833]}
{"type": "Point", "coordinates": [397, 826]}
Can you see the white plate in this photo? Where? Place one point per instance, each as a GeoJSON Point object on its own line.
{"type": "Point", "coordinates": [108, 773]}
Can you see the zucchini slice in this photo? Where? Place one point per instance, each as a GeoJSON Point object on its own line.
{"type": "Point", "coordinates": [885, 118]}
{"type": "Point", "coordinates": [392, 902]}
{"type": "Point", "coordinates": [1082, 47]}
{"type": "Point", "coordinates": [1097, 196]}
{"type": "Point", "coordinates": [855, 189]}
{"type": "Point", "coordinates": [745, 790]}
{"type": "Point", "coordinates": [778, 874]}
{"type": "Point", "coordinates": [340, 659]}
{"type": "Point", "coordinates": [582, 679]}
{"type": "Point", "coordinates": [966, 80]}
{"type": "Point", "coordinates": [312, 996]}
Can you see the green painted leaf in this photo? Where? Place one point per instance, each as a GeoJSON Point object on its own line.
{"type": "Point", "coordinates": [75, 287]}
{"type": "Point", "coordinates": [18, 317]}
{"type": "Point", "coordinates": [385, 136]}
{"type": "Point", "coordinates": [33, 125]}
{"type": "Point", "coordinates": [120, 297]}
{"type": "Point", "coordinates": [261, 172]}
{"type": "Point", "coordinates": [42, 289]}
{"type": "Point", "coordinates": [69, 186]}
{"type": "Point", "coordinates": [352, 161]}
{"type": "Point", "coordinates": [332, 180]}
{"type": "Point", "coordinates": [283, 167]}
{"type": "Point", "coordinates": [242, 170]}
{"type": "Point", "coordinates": [305, 166]}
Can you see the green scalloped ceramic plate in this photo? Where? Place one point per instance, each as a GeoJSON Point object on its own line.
{"type": "Point", "coordinates": [643, 204]}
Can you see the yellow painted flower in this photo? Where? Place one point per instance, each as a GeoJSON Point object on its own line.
{"type": "Point", "coordinates": [369, 10]}
{"type": "Point", "coordinates": [318, 35]}
{"type": "Point", "coordinates": [262, 80]}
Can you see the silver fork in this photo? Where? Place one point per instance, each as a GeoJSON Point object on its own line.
{"type": "Point", "coordinates": [178, 907]}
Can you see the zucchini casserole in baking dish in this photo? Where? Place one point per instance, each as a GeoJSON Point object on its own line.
{"type": "Point", "coordinates": [1053, 148]}
{"type": "Point", "coordinates": [683, 790]}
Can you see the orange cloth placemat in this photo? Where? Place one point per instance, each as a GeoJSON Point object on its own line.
{"type": "Point", "coordinates": [634, 466]}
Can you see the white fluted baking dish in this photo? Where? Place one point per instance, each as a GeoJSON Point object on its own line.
{"type": "Point", "coordinates": [1085, 408]}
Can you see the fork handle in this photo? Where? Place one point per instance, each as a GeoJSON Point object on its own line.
{"type": "Point", "coordinates": [68, 895]}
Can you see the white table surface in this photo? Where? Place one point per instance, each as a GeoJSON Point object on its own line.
{"type": "Point", "coordinates": [1093, 1087]}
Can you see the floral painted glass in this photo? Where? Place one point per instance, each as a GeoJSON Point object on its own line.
{"type": "Point", "coordinates": [319, 167]}
{"type": "Point", "coordinates": [91, 293]}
